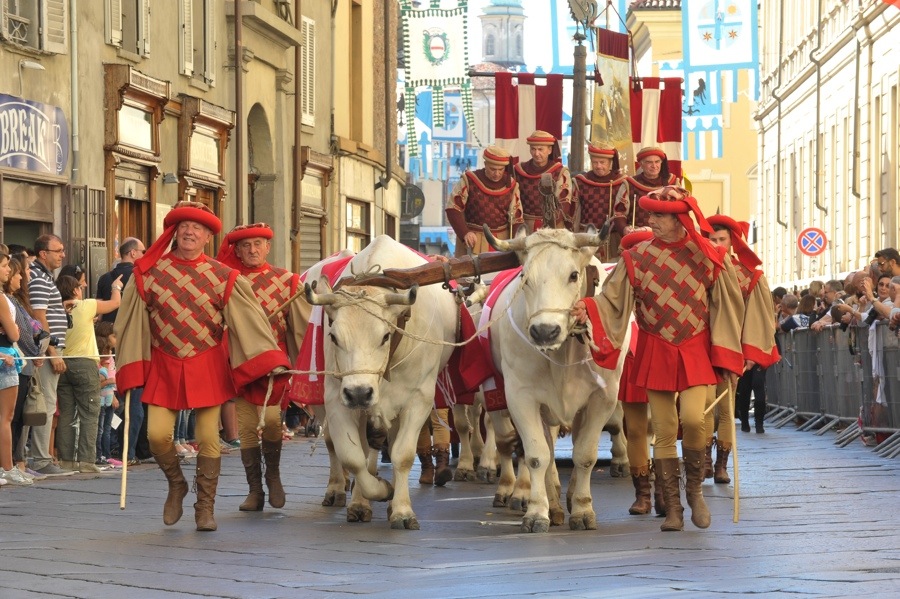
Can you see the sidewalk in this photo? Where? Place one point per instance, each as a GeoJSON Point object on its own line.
{"type": "Point", "coordinates": [816, 520]}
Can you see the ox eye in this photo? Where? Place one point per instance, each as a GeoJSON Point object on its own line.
{"type": "Point", "coordinates": [385, 339]}
{"type": "Point", "coordinates": [573, 278]}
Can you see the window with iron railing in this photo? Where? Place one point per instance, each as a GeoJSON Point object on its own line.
{"type": "Point", "coordinates": [38, 24]}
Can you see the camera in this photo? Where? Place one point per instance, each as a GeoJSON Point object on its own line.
{"type": "Point", "coordinates": [54, 341]}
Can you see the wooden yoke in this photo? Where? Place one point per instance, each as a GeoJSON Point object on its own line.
{"type": "Point", "coordinates": [427, 274]}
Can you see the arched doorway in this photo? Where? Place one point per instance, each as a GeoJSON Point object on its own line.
{"type": "Point", "coordinates": [261, 173]}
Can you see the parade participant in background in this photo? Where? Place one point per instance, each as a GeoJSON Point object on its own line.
{"type": "Point", "coordinates": [757, 340]}
{"type": "Point", "coordinates": [488, 196]}
{"type": "Point", "coordinates": [652, 175]}
{"type": "Point", "coordinates": [599, 196]}
{"type": "Point", "coordinates": [689, 308]}
{"type": "Point", "coordinates": [534, 187]}
{"type": "Point", "coordinates": [171, 334]}
{"type": "Point", "coordinates": [246, 249]}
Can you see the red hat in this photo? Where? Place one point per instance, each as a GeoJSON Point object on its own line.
{"type": "Point", "coordinates": [634, 238]}
{"type": "Point", "coordinates": [739, 232]}
{"type": "Point", "coordinates": [496, 156]}
{"type": "Point", "coordinates": [651, 151]}
{"type": "Point", "coordinates": [540, 138]}
{"type": "Point", "coordinates": [226, 253]}
{"type": "Point", "coordinates": [180, 212]}
{"type": "Point", "coordinates": [677, 201]}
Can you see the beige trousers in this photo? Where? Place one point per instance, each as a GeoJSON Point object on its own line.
{"type": "Point", "coordinates": [666, 417]}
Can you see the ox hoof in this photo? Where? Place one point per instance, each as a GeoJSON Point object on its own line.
{"type": "Point", "coordinates": [387, 491]}
{"type": "Point", "coordinates": [462, 475]}
{"type": "Point", "coordinates": [583, 522]}
{"type": "Point", "coordinates": [530, 524]}
{"type": "Point", "coordinates": [333, 499]}
{"type": "Point", "coordinates": [557, 516]}
{"type": "Point", "coordinates": [501, 500]}
{"type": "Point", "coordinates": [487, 475]}
{"type": "Point", "coordinates": [619, 469]}
{"type": "Point", "coordinates": [359, 513]}
{"type": "Point", "coordinates": [404, 523]}
{"type": "Point", "coordinates": [518, 504]}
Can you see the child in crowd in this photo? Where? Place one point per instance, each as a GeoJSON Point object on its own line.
{"type": "Point", "coordinates": [109, 403]}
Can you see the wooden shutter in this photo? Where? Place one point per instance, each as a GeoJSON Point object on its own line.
{"type": "Point", "coordinates": [186, 39]}
{"type": "Point", "coordinates": [209, 41]}
{"type": "Point", "coordinates": [114, 22]}
{"type": "Point", "coordinates": [308, 72]}
{"type": "Point", "coordinates": [55, 30]}
{"type": "Point", "coordinates": [144, 30]}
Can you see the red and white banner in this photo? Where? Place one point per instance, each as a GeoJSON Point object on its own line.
{"type": "Point", "coordinates": [521, 109]}
{"type": "Point", "coordinates": [656, 117]}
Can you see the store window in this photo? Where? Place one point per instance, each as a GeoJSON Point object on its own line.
{"type": "Point", "coordinates": [357, 225]}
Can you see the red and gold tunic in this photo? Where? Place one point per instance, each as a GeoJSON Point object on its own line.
{"type": "Point", "coordinates": [639, 186]}
{"type": "Point", "coordinates": [688, 309]}
{"type": "Point", "coordinates": [529, 177]}
{"type": "Point", "coordinates": [594, 200]}
{"type": "Point", "coordinates": [172, 336]}
{"type": "Point", "coordinates": [477, 201]}
{"type": "Point", "coordinates": [757, 339]}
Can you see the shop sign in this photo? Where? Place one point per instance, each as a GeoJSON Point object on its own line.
{"type": "Point", "coordinates": [33, 136]}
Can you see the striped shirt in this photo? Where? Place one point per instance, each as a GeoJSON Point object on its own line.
{"type": "Point", "coordinates": [43, 295]}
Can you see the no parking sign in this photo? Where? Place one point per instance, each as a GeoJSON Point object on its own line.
{"type": "Point", "coordinates": [812, 241]}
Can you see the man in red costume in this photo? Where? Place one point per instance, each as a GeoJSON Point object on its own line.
{"type": "Point", "coordinates": [534, 186]}
{"type": "Point", "coordinates": [246, 249]}
{"type": "Point", "coordinates": [488, 196]}
{"type": "Point", "coordinates": [653, 175]}
{"type": "Point", "coordinates": [598, 196]}
{"type": "Point", "coordinates": [171, 333]}
{"type": "Point", "coordinates": [689, 310]}
{"type": "Point", "coordinates": [757, 335]}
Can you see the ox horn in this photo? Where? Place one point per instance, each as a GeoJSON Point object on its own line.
{"type": "Point", "coordinates": [589, 239]}
{"type": "Point", "coordinates": [515, 245]}
{"type": "Point", "coordinates": [318, 299]}
{"type": "Point", "coordinates": [402, 299]}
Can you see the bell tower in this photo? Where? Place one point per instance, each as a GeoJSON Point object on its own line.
{"type": "Point", "coordinates": [502, 32]}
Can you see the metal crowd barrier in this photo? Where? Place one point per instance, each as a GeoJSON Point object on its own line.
{"type": "Point", "coordinates": [825, 381]}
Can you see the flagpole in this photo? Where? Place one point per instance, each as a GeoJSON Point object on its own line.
{"type": "Point", "coordinates": [579, 85]}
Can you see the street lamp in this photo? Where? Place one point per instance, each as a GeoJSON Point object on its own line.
{"type": "Point", "coordinates": [28, 64]}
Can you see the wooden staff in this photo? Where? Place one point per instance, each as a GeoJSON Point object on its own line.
{"type": "Point", "coordinates": [737, 480]}
{"type": "Point", "coordinates": [126, 424]}
{"type": "Point", "coordinates": [718, 399]}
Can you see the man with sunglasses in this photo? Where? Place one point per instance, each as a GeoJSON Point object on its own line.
{"type": "Point", "coordinates": [47, 304]}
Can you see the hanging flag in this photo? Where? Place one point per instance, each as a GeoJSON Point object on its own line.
{"type": "Point", "coordinates": [521, 109]}
{"type": "Point", "coordinates": [611, 114]}
{"type": "Point", "coordinates": [656, 117]}
{"type": "Point", "coordinates": [436, 55]}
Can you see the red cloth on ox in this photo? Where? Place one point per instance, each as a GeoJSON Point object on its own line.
{"type": "Point", "coordinates": [309, 389]}
{"type": "Point", "coordinates": [494, 394]}
{"type": "Point", "coordinates": [467, 369]}
{"type": "Point", "coordinates": [628, 391]}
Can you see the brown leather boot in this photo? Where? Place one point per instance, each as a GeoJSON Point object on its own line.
{"type": "Point", "coordinates": [721, 476]}
{"type": "Point", "coordinates": [668, 475]}
{"type": "Point", "coordinates": [271, 451]}
{"type": "Point", "coordinates": [693, 488]}
{"type": "Point", "coordinates": [442, 473]}
{"type": "Point", "coordinates": [659, 500]}
{"type": "Point", "coordinates": [707, 461]}
{"type": "Point", "coordinates": [640, 477]}
{"type": "Point", "coordinates": [178, 487]}
{"type": "Point", "coordinates": [427, 475]}
{"type": "Point", "coordinates": [206, 481]}
{"type": "Point", "coordinates": [256, 498]}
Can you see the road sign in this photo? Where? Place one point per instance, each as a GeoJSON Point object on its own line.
{"type": "Point", "coordinates": [812, 241]}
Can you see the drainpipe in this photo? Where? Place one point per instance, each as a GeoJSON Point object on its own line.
{"type": "Point", "coordinates": [817, 62]}
{"type": "Point", "coordinates": [385, 180]}
{"type": "Point", "coordinates": [73, 68]}
{"type": "Point", "coordinates": [239, 112]}
{"type": "Point", "coordinates": [776, 93]}
{"type": "Point", "coordinates": [297, 191]}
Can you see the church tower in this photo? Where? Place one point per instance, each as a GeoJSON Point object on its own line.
{"type": "Point", "coordinates": [502, 32]}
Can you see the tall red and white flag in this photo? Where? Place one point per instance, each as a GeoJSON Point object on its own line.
{"type": "Point", "coordinates": [521, 109]}
{"type": "Point", "coordinates": [656, 117]}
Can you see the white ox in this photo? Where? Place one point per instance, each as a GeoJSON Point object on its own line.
{"type": "Point", "coordinates": [357, 345]}
{"type": "Point", "coordinates": [550, 378]}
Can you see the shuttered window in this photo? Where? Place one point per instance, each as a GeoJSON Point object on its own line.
{"type": "Point", "coordinates": [128, 25]}
{"type": "Point", "coordinates": [21, 23]}
{"type": "Point", "coordinates": [308, 72]}
{"type": "Point", "coordinates": [197, 39]}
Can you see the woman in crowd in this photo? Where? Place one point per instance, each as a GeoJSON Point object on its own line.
{"type": "Point", "coordinates": [9, 380]}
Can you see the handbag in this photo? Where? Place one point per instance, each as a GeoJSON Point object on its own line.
{"type": "Point", "coordinates": [34, 412]}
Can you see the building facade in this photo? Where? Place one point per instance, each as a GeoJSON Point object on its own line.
{"type": "Point", "coordinates": [829, 134]}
